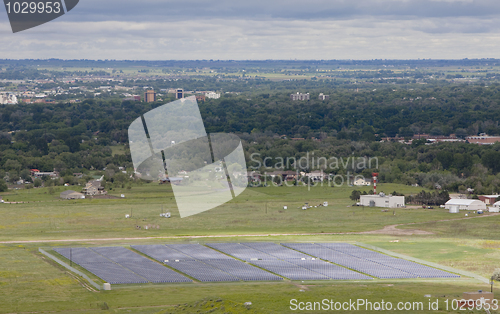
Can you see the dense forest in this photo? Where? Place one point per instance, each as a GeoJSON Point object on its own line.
{"type": "Point", "coordinates": [79, 137]}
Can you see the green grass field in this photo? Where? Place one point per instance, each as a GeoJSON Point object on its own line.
{"type": "Point", "coordinates": [32, 283]}
{"type": "Point", "coordinates": [29, 282]}
{"type": "Point", "coordinates": [256, 211]}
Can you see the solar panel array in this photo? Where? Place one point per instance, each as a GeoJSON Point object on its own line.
{"type": "Point", "coordinates": [81, 255]}
{"type": "Point", "coordinates": [397, 263]}
{"type": "Point", "coordinates": [286, 262]}
{"type": "Point", "coordinates": [162, 253]}
{"type": "Point", "coordinates": [202, 271]}
{"type": "Point", "coordinates": [369, 262]}
{"type": "Point", "coordinates": [296, 261]}
{"type": "Point", "coordinates": [118, 265]}
{"type": "Point", "coordinates": [241, 270]}
{"type": "Point", "coordinates": [289, 270]}
{"type": "Point", "coordinates": [198, 251]}
{"type": "Point", "coordinates": [151, 271]}
{"type": "Point", "coordinates": [330, 270]}
{"type": "Point", "coordinates": [113, 273]}
{"type": "Point", "coordinates": [241, 251]}
{"type": "Point", "coordinates": [277, 250]}
{"type": "Point", "coordinates": [204, 264]}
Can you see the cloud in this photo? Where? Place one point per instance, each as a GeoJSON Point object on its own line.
{"type": "Point", "coordinates": [159, 10]}
{"type": "Point", "coordinates": [194, 29]}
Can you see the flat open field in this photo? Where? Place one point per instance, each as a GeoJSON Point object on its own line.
{"type": "Point", "coordinates": [257, 211]}
{"type": "Point", "coordinates": [31, 283]}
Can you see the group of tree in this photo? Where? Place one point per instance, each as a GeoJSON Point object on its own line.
{"type": "Point", "coordinates": [76, 138]}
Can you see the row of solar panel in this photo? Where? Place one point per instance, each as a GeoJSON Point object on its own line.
{"type": "Point", "coordinates": [204, 264]}
{"type": "Point", "coordinates": [285, 262]}
{"type": "Point", "coordinates": [120, 265]}
{"type": "Point", "coordinates": [369, 262]}
{"type": "Point", "coordinates": [306, 270]}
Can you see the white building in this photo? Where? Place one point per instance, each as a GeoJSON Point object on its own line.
{"type": "Point", "coordinates": [299, 96]}
{"type": "Point", "coordinates": [382, 200]}
{"type": "Point", "coordinates": [212, 95]}
{"type": "Point", "coordinates": [316, 175]}
{"type": "Point", "coordinates": [464, 204]}
{"type": "Point", "coordinates": [360, 181]}
{"type": "Point", "coordinates": [495, 208]}
{"type": "Point", "coordinates": [323, 97]}
{"type": "Point", "coordinates": [8, 99]}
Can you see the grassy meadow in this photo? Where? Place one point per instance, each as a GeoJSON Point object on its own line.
{"type": "Point", "coordinates": [259, 210]}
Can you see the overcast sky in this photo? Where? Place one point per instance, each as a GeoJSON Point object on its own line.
{"type": "Point", "coordinates": [258, 29]}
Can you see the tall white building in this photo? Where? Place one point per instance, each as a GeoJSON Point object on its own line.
{"type": "Point", "coordinates": [299, 96]}
{"type": "Point", "coordinates": [323, 97]}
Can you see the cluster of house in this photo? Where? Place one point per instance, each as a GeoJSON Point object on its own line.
{"type": "Point", "coordinates": [151, 96]}
{"type": "Point", "coordinates": [92, 188]}
{"type": "Point", "coordinates": [290, 175]}
{"type": "Point", "coordinates": [482, 139]}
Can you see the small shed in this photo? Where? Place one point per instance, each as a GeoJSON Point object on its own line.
{"type": "Point", "coordinates": [495, 208]}
{"type": "Point", "coordinates": [465, 204]}
{"type": "Point", "coordinates": [71, 195]}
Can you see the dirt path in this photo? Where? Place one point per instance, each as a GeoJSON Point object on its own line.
{"type": "Point", "coordinates": [393, 230]}
{"type": "Point", "coordinates": [387, 230]}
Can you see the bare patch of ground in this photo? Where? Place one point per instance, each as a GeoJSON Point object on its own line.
{"type": "Point", "coordinates": [393, 230]}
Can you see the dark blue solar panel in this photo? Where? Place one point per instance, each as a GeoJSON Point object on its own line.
{"type": "Point", "coordinates": [198, 251]}
{"type": "Point", "coordinates": [276, 250]}
{"type": "Point", "coordinates": [358, 264]}
{"type": "Point", "coordinates": [241, 251]}
{"type": "Point", "coordinates": [136, 268]}
{"type": "Point", "coordinates": [329, 270]}
{"type": "Point", "coordinates": [241, 270]}
{"type": "Point", "coordinates": [370, 262]}
{"type": "Point", "coordinates": [162, 253]}
{"type": "Point", "coordinates": [113, 273]}
{"type": "Point", "coordinates": [201, 271]}
{"type": "Point", "coordinates": [213, 258]}
{"type": "Point", "coordinates": [154, 272]}
{"type": "Point", "coordinates": [81, 255]}
{"type": "Point", "coordinates": [390, 261]}
{"type": "Point", "coordinates": [119, 254]}
{"type": "Point", "coordinates": [289, 270]}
